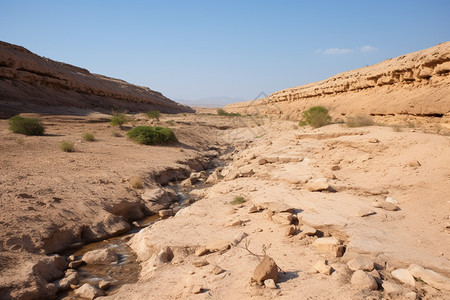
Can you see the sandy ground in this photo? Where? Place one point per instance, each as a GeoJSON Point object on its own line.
{"type": "Point", "coordinates": [49, 198]}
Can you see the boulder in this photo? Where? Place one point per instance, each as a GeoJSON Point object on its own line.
{"type": "Point", "coordinates": [308, 230]}
{"type": "Point", "coordinates": [100, 257]}
{"type": "Point", "coordinates": [318, 185]}
{"type": "Point", "coordinates": [166, 255]}
{"type": "Point", "coordinates": [88, 291]}
{"type": "Point", "coordinates": [360, 263]}
{"type": "Point", "coordinates": [290, 231]}
{"type": "Point", "coordinates": [432, 278]}
{"type": "Point", "coordinates": [392, 288]}
{"type": "Point", "coordinates": [217, 245]}
{"type": "Point", "coordinates": [322, 267]}
{"type": "Point", "coordinates": [266, 269]}
{"type": "Point", "coordinates": [404, 276]}
{"type": "Point", "coordinates": [283, 218]}
{"type": "Point", "coordinates": [362, 280]}
{"type": "Point", "coordinates": [329, 246]}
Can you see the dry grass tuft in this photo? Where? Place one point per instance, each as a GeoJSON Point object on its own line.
{"type": "Point", "coordinates": [136, 182]}
{"type": "Point", "coordinates": [359, 121]}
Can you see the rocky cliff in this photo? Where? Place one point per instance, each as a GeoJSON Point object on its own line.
{"type": "Point", "coordinates": [31, 83]}
{"type": "Point", "coordinates": [415, 84]}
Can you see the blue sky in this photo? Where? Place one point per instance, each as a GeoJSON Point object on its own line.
{"type": "Point", "coordinates": [202, 49]}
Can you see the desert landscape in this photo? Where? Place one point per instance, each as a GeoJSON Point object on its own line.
{"type": "Point", "coordinates": [254, 200]}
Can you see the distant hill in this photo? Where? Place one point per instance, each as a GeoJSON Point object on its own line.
{"type": "Point", "coordinates": [216, 101]}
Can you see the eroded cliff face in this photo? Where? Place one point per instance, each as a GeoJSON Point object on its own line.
{"type": "Point", "coordinates": [29, 82]}
{"type": "Point", "coordinates": [415, 84]}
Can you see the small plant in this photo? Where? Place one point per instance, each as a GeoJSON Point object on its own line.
{"type": "Point", "coordinates": [66, 146]}
{"type": "Point", "coordinates": [19, 141]}
{"type": "Point", "coordinates": [148, 135]}
{"type": "Point", "coordinates": [27, 126]}
{"type": "Point", "coordinates": [222, 112]}
{"type": "Point", "coordinates": [89, 137]}
{"type": "Point", "coordinates": [171, 122]}
{"type": "Point", "coordinates": [184, 115]}
{"type": "Point", "coordinates": [118, 119]}
{"type": "Point", "coordinates": [359, 121]}
{"type": "Point", "coordinates": [317, 116]}
{"type": "Point", "coordinates": [153, 114]}
{"type": "Point", "coordinates": [237, 200]}
{"type": "Point", "coordinates": [137, 183]}
{"type": "Point", "coordinates": [302, 123]}
{"type": "Point", "coordinates": [396, 128]}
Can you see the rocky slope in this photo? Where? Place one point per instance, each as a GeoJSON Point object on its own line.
{"type": "Point", "coordinates": [30, 83]}
{"type": "Point", "coordinates": [415, 84]}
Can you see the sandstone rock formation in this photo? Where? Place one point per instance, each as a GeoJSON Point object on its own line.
{"type": "Point", "coordinates": [415, 84]}
{"type": "Point", "coordinates": [31, 83]}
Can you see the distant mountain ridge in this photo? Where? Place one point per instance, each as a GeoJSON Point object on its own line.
{"type": "Point", "coordinates": [31, 83]}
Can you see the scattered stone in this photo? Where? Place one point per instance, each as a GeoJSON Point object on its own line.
{"type": "Point", "coordinates": [414, 164]}
{"type": "Point", "coordinates": [166, 255]}
{"type": "Point", "coordinates": [266, 269]}
{"type": "Point", "coordinates": [88, 291]}
{"type": "Point", "coordinates": [254, 209]}
{"type": "Point", "coordinates": [75, 264]}
{"type": "Point", "coordinates": [386, 206]}
{"type": "Point", "coordinates": [200, 263]}
{"type": "Point", "coordinates": [196, 289]}
{"type": "Point", "coordinates": [217, 270]}
{"type": "Point", "coordinates": [362, 280]}
{"type": "Point", "coordinates": [317, 185]}
{"type": "Point", "coordinates": [410, 295]}
{"type": "Point", "coordinates": [277, 207]}
{"type": "Point", "coordinates": [100, 257]}
{"type": "Point", "coordinates": [391, 200]}
{"type": "Point", "coordinates": [258, 230]}
{"type": "Point", "coordinates": [329, 246]}
{"type": "Point", "coordinates": [290, 231]}
{"type": "Point", "coordinates": [308, 230]}
{"type": "Point", "coordinates": [404, 276]}
{"type": "Point", "coordinates": [246, 171]}
{"type": "Point", "coordinates": [364, 212]}
{"type": "Point", "coordinates": [262, 161]}
{"type": "Point", "coordinates": [165, 213]}
{"type": "Point", "coordinates": [329, 176]}
{"type": "Point", "coordinates": [217, 245]}
{"type": "Point", "coordinates": [374, 140]}
{"type": "Point", "coordinates": [238, 238]}
{"type": "Point", "coordinates": [189, 182]}
{"type": "Point", "coordinates": [105, 284]}
{"type": "Point", "coordinates": [323, 267]}
{"type": "Point", "coordinates": [283, 218]}
{"type": "Point", "coordinates": [392, 288]}
{"type": "Point", "coordinates": [335, 168]}
{"type": "Point", "coordinates": [233, 223]}
{"type": "Point", "coordinates": [269, 283]}
{"type": "Point", "coordinates": [360, 263]}
{"type": "Point", "coordinates": [432, 278]}
{"type": "Point", "coordinates": [64, 283]}
{"type": "Point", "coordinates": [71, 258]}
{"type": "Point", "coordinates": [201, 251]}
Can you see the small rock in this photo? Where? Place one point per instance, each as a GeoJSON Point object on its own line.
{"type": "Point", "coordinates": [360, 263]}
{"type": "Point", "coordinates": [404, 276]}
{"type": "Point", "coordinates": [104, 284]}
{"type": "Point", "coordinates": [277, 207]}
{"type": "Point", "coordinates": [262, 161]}
{"type": "Point", "coordinates": [71, 258]}
{"type": "Point", "coordinates": [200, 263]}
{"type": "Point", "coordinates": [323, 267]}
{"type": "Point", "coordinates": [414, 164]}
{"type": "Point", "coordinates": [217, 270]}
{"type": "Point", "coordinates": [196, 289]}
{"type": "Point", "coordinates": [258, 230]}
{"type": "Point", "coordinates": [100, 257]}
{"type": "Point", "coordinates": [217, 245]}
{"type": "Point", "coordinates": [410, 295]}
{"type": "Point", "coordinates": [64, 283]}
{"type": "Point", "coordinates": [391, 200]}
{"type": "Point", "coordinates": [164, 213]}
{"type": "Point", "coordinates": [362, 280]}
{"type": "Point", "coordinates": [283, 218]}
{"type": "Point", "coordinates": [329, 176]}
{"type": "Point", "coordinates": [201, 251]}
{"type": "Point", "coordinates": [335, 168]}
{"type": "Point", "coordinates": [269, 283]}
{"type": "Point", "coordinates": [317, 185]}
{"type": "Point", "coordinates": [432, 278]}
{"type": "Point", "coordinates": [374, 140]}
{"type": "Point", "coordinates": [75, 264]}
{"type": "Point", "coordinates": [308, 230]}
{"type": "Point", "coordinates": [166, 255]}
{"type": "Point", "coordinates": [392, 288]}
{"type": "Point", "coordinates": [254, 209]}
{"type": "Point", "coordinates": [330, 246]}
{"type": "Point", "coordinates": [386, 206]}
{"type": "Point", "coordinates": [233, 223]}
{"type": "Point", "coordinates": [88, 291]}
{"type": "Point", "coordinates": [364, 212]}
{"type": "Point", "coordinates": [266, 269]}
{"type": "Point", "coordinates": [238, 238]}
{"type": "Point", "coordinates": [290, 231]}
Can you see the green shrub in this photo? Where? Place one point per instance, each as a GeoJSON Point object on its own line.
{"type": "Point", "coordinates": [237, 200]}
{"type": "Point", "coordinates": [171, 122]}
{"type": "Point", "coordinates": [317, 116]}
{"type": "Point", "coordinates": [153, 114]}
{"type": "Point", "coordinates": [89, 137]}
{"type": "Point", "coordinates": [118, 119]}
{"type": "Point", "coordinates": [148, 135]}
{"type": "Point", "coordinates": [302, 123]}
{"type": "Point", "coordinates": [27, 126]}
{"type": "Point", "coordinates": [359, 121]}
{"type": "Point", "coordinates": [66, 146]}
{"type": "Point", "coordinates": [222, 112]}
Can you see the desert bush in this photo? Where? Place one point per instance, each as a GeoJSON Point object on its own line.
{"type": "Point", "coordinates": [89, 137]}
{"type": "Point", "coordinates": [237, 200]}
{"type": "Point", "coordinates": [118, 119]}
{"type": "Point", "coordinates": [27, 126]}
{"type": "Point", "coordinates": [359, 121]}
{"type": "Point", "coordinates": [116, 134]}
{"type": "Point", "coordinates": [222, 112]}
{"type": "Point", "coordinates": [66, 146]}
{"type": "Point", "coordinates": [148, 135]}
{"type": "Point", "coordinates": [171, 122]}
{"type": "Point", "coordinates": [302, 123]}
{"type": "Point", "coordinates": [137, 183]}
{"type": "Point", "coordinates": [317, 116]}
{"type": "Point", "coordinates": [19, 141]}
{"type": "Point", "coordinates": [153, 114]}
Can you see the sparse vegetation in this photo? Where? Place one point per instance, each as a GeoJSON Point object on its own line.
{"type": "Point", "coordinates": [148, 135]}
{"type": "Point", "coordinates": [302, 123]}
{"type": "Point", "coordinates": [118, 119]}
{"type": "Point", "coordinates": [359, 121]}
{"type": "Point", "coordinates": [27, 126]}
{"type": "Point", "coordinates": [19, 141]}
{"type": "Point", "coordinates": [67, 146]}
{"type": "Point", "coordinates": [136, 183]}
{"type": "Point", "coordinates": [222, 112]}
{"type": "Point", "coordinates": [116, 134]}
{"type": "Point", "coordinates": [153, 114]}
{"type": "Point", "coordinates": [170, 122]}
{"type": "Point", "coordinates": [89, 137]}
{"type": "Point", "coordinates": [237, 200]}
{"type": "Point", "coordinates": [317, 116]}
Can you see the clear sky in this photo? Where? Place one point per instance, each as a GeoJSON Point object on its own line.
{"type": "Point", "coordinates": [201, 49]}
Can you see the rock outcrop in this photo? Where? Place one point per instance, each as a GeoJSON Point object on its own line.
{"type": "Point", "coordinates": [31, 83]}
{"type": "Point", "coordinates": [415, 84]}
